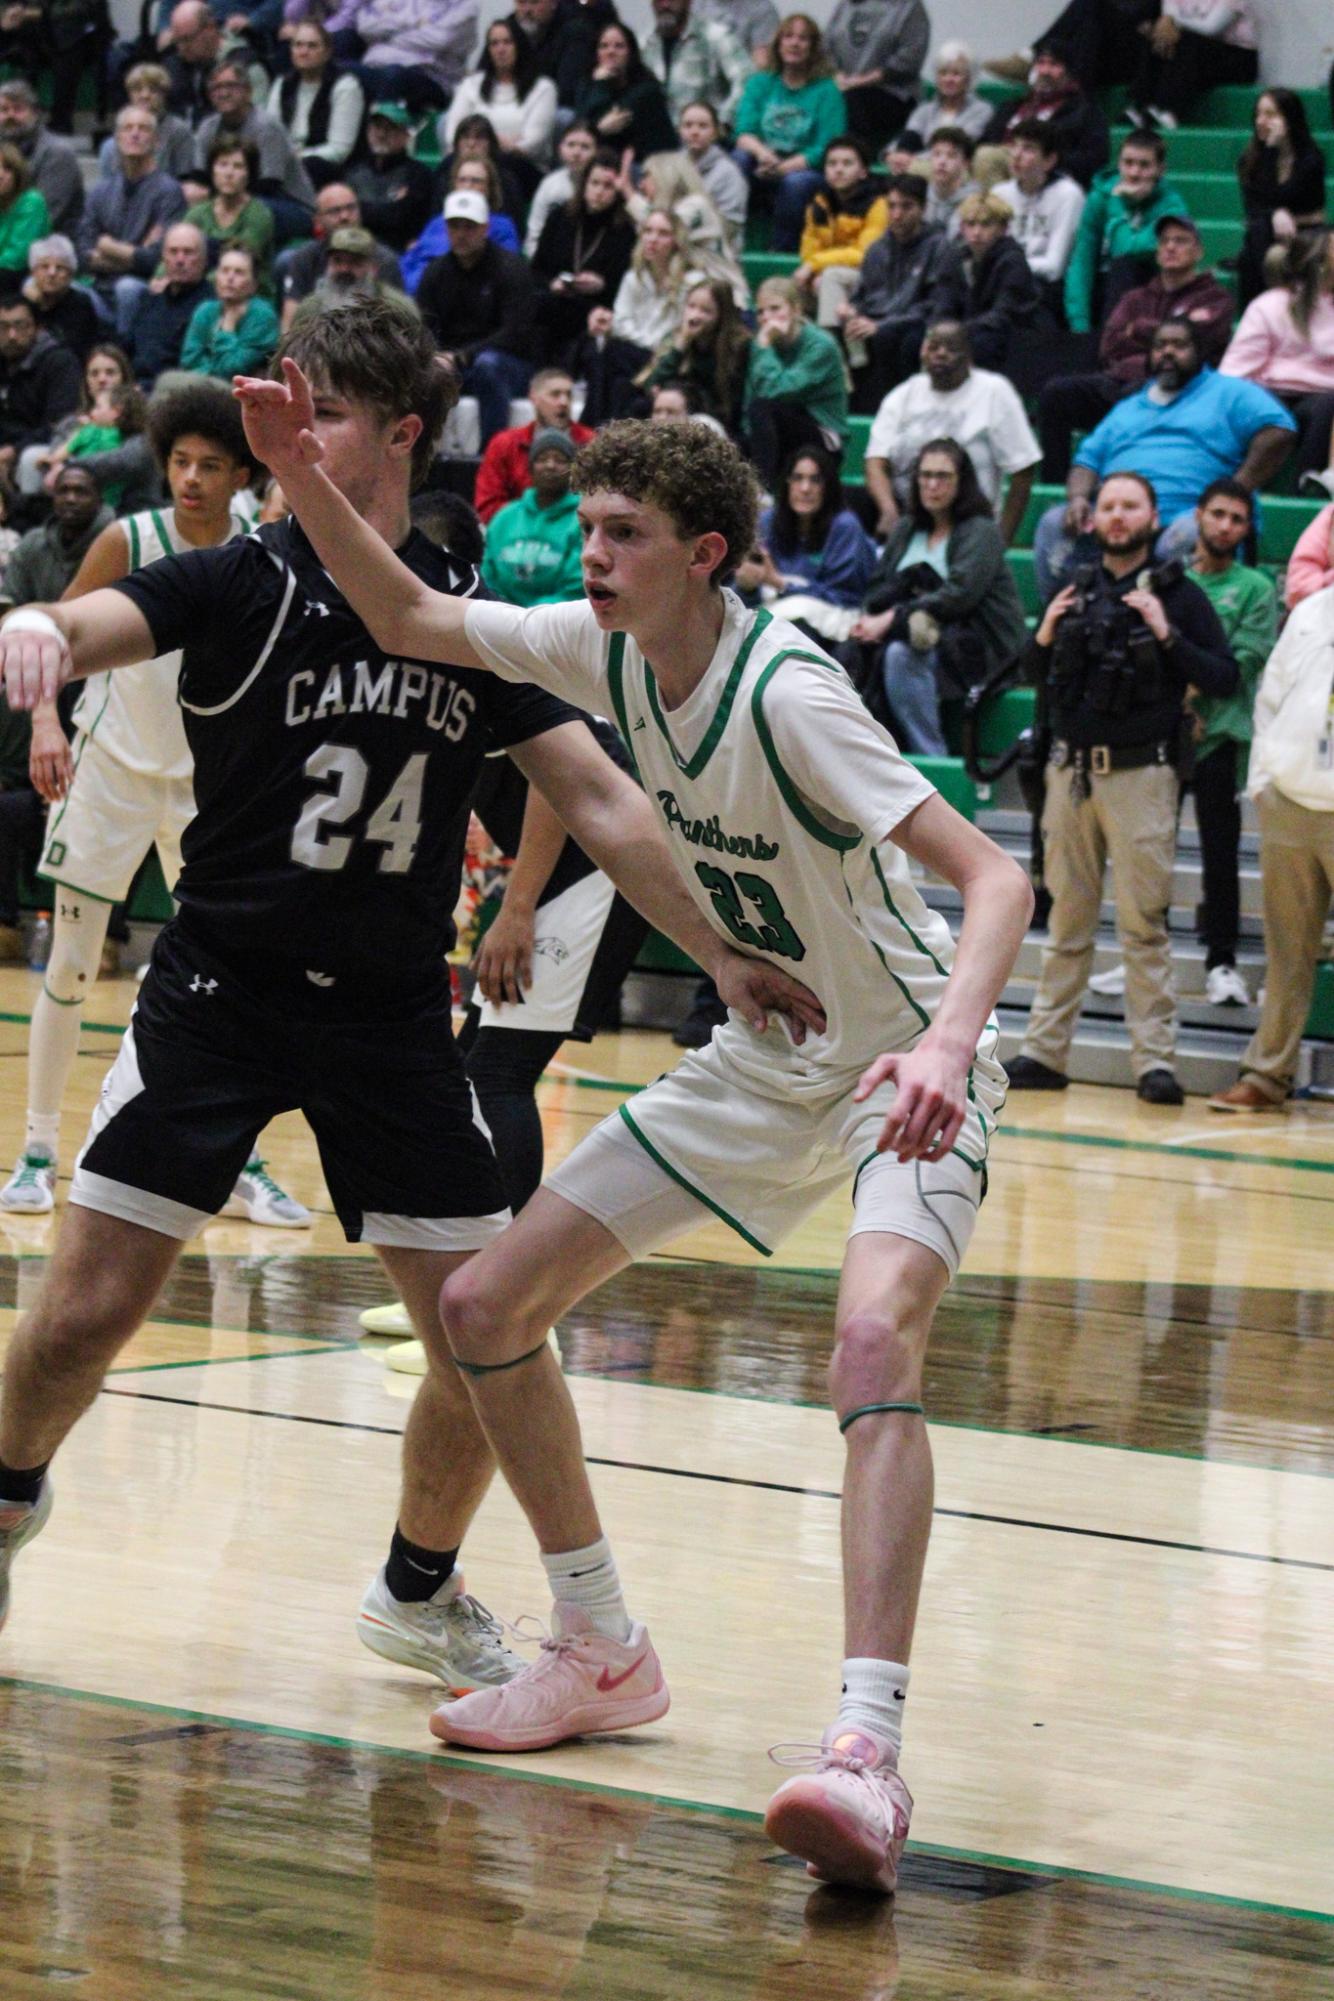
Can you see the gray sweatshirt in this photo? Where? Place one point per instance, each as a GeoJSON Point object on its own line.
{"type": "Point", "coordinates": [888, 35]}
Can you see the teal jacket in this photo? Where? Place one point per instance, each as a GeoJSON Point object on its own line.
{"type": "Point", "coordinates": [245, 350]}
{"type": "Point", "coordinates": [534, 554]}
{"type": "Point", "coordinates": [809, 372]}
{"type": "Point", "coordinates": [1247, 607]}
{"type": "Point", "coordinates": [792, 121]}
{"type": "Point", "coordinates": [1109, 228]}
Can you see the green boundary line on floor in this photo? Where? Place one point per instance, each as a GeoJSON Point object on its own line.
{"type": "Point", "coordinates": [1017, 1863]}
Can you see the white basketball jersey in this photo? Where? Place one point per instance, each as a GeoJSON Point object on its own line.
{"type": "Point", "coordinates": [777, 793]}
{"type": "Point", "coordinates": [132, 713]}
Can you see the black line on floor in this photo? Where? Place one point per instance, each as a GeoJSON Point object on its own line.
{"type": "Point", "coordinates": [764, 1486]}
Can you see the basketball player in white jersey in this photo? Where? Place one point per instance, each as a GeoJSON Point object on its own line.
{"type": "Point", "coordinates": [793, 820]}
{"type": "Point", "coordinates": [125, 784]}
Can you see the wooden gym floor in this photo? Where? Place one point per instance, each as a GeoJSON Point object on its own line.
{"type": "Point", "coordinates": [1119, 1730]}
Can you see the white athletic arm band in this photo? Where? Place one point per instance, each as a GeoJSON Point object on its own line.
{"type": "Point", "coordinates": [27, 619]}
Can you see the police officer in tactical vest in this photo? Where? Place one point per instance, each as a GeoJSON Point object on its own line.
{"type": "Point", "coordinates": [1115, 654]}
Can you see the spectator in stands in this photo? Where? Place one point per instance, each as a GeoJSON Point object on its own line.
{"type": "Point", "coordinates": [479, 303]}
{"type": "Point", "coordinates": [954, 102]}
{"type": "Point", "coordinates": [52, 161]}
{"type": "Point", "coordinates": [1057, 100]}
{"type": "Point", "coordinates": [583, 254]}
{"type": "Point", "coordinates": [878, 50]}
{"type": "Point", "coordinates": [300, 271]}
{"type": "Point", "coordinates": [623, 337]}
{"type": "Point", "coordinates": [796, 391]}
{"type": "Point", "coordinates": [57, 39]}
{"type": "Point", "coordinates": [107, 374]}
{"type": "Point", "coordinates": [126, 215]}
{"type": "Point", "coordinates": [416, 49]}
{"type": "Point", "coordinates": [1282, 176]}
{"type": "Point", "coordinates": [475, 139]}
{"type": "Point", "coordinates": [1103, 38]}
{"type": "Point", "coordinates": [47, 558]}
{"type": "Point", "coordinates": [195, 44]}
{"type": "Point", "coordinates": [504, 472]}
{"type": "Point", "coordinates": [1115, 247]}
{"type": "Point", "coordinates": [985, 282]}
{"type": "Point", "coordinates": [1188, 427]}
{"type": "Point", "coordinates": [753, 22]}
{"type": "Point", "coordinates": [707, 357]}
{"type": "Point", "coordinates": [349, 273]}
{"type": "Point", "coordinates": [623, 101]}
{"type": "Point", "coordinates": [1286, 343]}
{"type": "Point", "coordinates": [480, 177]}
{"type": "Point", "coordinates": [23, 217]}
{"type": "Point", "coordinates": [1292, 782]}
{"type": "Point", "coordinates": [578, 143]}
{"type": "Point", "coordinates": [232, 214]}
{"type": "Point", "coordinates": [887, 315]}
{"type": "Point", "coordinates": [510, 90]}
{"type": "Point", "coordinates": [318, 105]}
{"type": "Point", "coordinates": [1247, 609]}
{"type": "Point", "coordinates": [149, 85]}
{"type": "Point", "coordinates": [235, 333]}
{"type": "Point", "coordinates": [722, 180]}
{"type": "Point", "coordinates": [393, 188]}
{"type": "Point", "coordinates": [166, 306]}
{"type": "Point", "coordinates": [1046, 205]}
{"type": "Point", "coordinates": [534, 548]}
{"type": "Point", "coordinates": [282, 181]}
{"type": "Point", "coordinates": [1193, 46]}
{"type": "Point", "coordinates": [846, 215]}
{"type": "Point", "coordinates": [102, 442]}
{"type": "Point", "coordinates": [563, 36]}
{"type": "Point", "coordinates": [693, 58]}
{"type": "Point", "coordinates": [670, 181]}
{"type": "Point", "coordinates": [949, 178]}
{"type": "Point", "coordinates": [1180, 291]}
{"type": "Point", "coordinates": [61, 307]}
{"type": "Point", "coordinates": [818, 558]}
{"type": "Point", "coordinates": [941, 609]}
{"type": "Point", "coordinates": [786, 118]}
{"type": "Point", "coordinates": [952, 398]}
{"type": "Point", "coordinates": [1311, 564]}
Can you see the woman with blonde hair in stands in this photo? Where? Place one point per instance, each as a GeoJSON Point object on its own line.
{"type": "Point", "coordinates": [786, 118]}
{"type": "Point", "coordinates": [796, 384]}
{"type": "Point", "coordinates": [622, 337]}
{"type": "Point", "coordinates": [708, 352]}
{"type": "Point", "coordinates": [671, 181]}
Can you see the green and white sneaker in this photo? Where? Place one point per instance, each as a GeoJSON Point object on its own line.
{"type": "Point", "coordinates": [258, 1196]}
{"type": "Point", "coordinates": [31, 1188]}
{"type": "Point", "coordinates": [451, 1636]}
{"type": "Point", "coordinates": [20, 1521]}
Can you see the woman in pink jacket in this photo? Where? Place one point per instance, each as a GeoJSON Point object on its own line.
{"type": "Point", "coordinates": [1285, 342]}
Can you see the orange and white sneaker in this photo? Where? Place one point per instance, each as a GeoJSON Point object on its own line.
{"type": "Point", "coordinates": [581, 1683]}
{"type": "Point", "coordinates": [848, 1818]}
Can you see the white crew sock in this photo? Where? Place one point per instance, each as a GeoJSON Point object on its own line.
{"type": "Point", "coordinates": [42, 1134]}
{"type": "Point", "coordinates": [874, 1693]}
{"type": "Point", "coordinates": [587, 1578]}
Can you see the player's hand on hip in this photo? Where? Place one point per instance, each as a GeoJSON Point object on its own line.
{"type": "Point", "coordinates": [756, 989]}
{"type": "Point", "coordinates": [278, 417]}
{"type": "Point", "coordinates": [35, 658]}
{"type": "Point", "coordinates": [930, 1102]}
{"type": "Point", "coordinates": [504, 961]}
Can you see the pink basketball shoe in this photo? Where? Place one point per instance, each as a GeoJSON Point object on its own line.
{"type": "Point", "coordinates": [581, 1683]}
{"type": "Point", "coordinates": [847, 1819]}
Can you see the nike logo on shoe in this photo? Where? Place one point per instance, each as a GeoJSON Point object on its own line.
{"type": "Point", "coordinates": [607, 1681]}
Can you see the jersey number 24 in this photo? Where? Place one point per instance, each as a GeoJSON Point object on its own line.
{"type": "Point", "coordinates": [395, 823]}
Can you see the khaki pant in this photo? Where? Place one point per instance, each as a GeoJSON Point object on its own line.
{"type": "Point", "coordinates": [1297, 872]}
{"type": "Point", "coordinates": [1129, 819]}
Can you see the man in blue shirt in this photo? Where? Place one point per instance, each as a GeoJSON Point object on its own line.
{"type": "Point", "coordinates": [1187, 427]}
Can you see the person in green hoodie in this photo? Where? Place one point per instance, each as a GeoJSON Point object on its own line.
{"type": "Point", "coordinates": [1116, 242]}
{"type": "Point", "coordinates": [796, 384]}
{"type": "Point", "coordinates": [533, 546]}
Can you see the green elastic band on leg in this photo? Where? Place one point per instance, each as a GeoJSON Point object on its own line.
{"type": "Point", "coordinates": [495, 1368]}
{"type": "Point", "coordinates": [870, 1409]}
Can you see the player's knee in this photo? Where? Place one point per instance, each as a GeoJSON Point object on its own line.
{"type": "Point", "coordinates": [72, 1329]}
{"type": "Point", "coordinates": [480, 1325]}
{"type": "Point", "coordinates": [877, 1358]}
{"type": "Point", "coordinates": [71, 969]}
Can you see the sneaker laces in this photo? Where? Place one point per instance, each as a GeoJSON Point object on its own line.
{"type": "Point", "coordinates": [256, 1170]}
{"type": "Point", "coordinates": [471, 1612]}
{"type": "Point", "coordinates": [868, 1779]}
{"type": "Point", "coordinates": [29, 1167]}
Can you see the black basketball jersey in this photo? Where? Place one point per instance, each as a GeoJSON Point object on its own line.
{"type": "Point", "coordinates": [332, 782]}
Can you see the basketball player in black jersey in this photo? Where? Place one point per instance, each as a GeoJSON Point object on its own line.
{"type": "Point", "coordinates": [305, 968]}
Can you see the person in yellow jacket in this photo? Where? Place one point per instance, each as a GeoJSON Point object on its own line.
{"type": "Point", "coordinates": [844, 218]}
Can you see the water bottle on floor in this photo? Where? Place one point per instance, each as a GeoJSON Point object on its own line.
{"type": "Point", "coordinates": [39, 945]}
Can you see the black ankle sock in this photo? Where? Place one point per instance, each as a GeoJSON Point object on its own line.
{"type": "Point", "coordinates": [413, 1574]}
{"type": "Point", "coordinates": [24, 1485]}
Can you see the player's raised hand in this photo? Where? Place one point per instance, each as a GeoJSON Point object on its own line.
{"type": "Point", "coordinates": [35, 658]}
{"type": "Point", "coordinates": [755, 989]}
{"type": "Point", "coordinates": [278, 418]}
{"type": "Point", "coordinates": [930, 1102]}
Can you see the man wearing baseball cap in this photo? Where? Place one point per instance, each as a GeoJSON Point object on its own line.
{"type": "Point", "coordinates": [1180, 290]}
{"type": "Point", "coordinates": [393, 188]}
{"type": "Point", "coordinates": [480, 303]}
{"type": "Point", "coordinates": [534, 550]}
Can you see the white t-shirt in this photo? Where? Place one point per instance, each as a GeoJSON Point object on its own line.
{"type": "Point", "coordinates": [777, 793]}
{"type": "Point", "coordinates": [984, 415]}
{"type": "Point", "coordinates": [1045, 224]}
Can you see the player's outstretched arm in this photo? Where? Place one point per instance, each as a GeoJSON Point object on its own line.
{"type": "Point", "coordinates": [401, 613]}
{"type": "Point", "coordinates": [932, 1077]}
{"type": "Point", "coordinates": [42, 646]}
{"type": "Point", "coordinates": [615, 825]}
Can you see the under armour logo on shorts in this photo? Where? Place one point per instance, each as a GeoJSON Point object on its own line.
{"type": "Point", "coordinates": [199, 985]}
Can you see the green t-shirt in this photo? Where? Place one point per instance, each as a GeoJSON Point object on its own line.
{"type": "Point", "coordinates": [1247, 608]}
